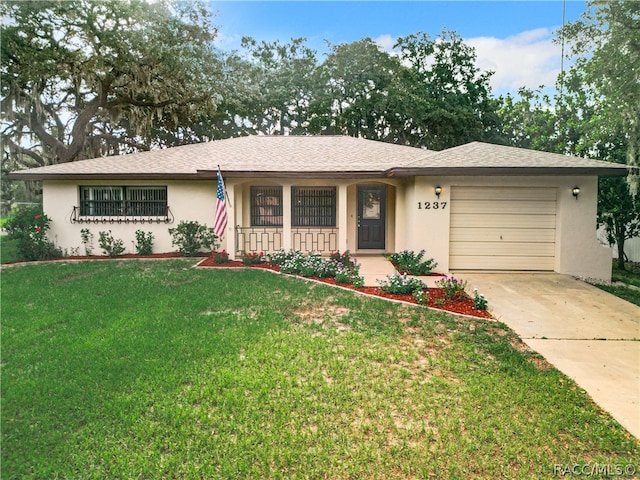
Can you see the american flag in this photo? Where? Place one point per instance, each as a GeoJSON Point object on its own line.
{"type": "Point", "coordinates": [220, 224]}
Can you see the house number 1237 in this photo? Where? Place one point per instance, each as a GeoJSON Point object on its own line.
{"type": "Point", "coordinates": [432, 205]}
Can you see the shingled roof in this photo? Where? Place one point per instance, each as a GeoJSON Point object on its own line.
{"type": "Point", "coordinates": [488, 159]}
{"type": "Point", "coordinates": [320, 157]}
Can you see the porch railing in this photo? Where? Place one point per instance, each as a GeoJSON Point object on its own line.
{"type": "Point", "coordinates": [258, 239]}
{"type": "Point", "coordinates": [321, 240]}
{"type": "Point", "coordinates": [269, 239]}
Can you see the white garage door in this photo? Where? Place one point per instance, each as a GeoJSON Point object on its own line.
{"type": "Point", "coordinates": [502, 228]}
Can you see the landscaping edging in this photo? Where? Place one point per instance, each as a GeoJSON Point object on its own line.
{"type": "Point", "coordinates": [368, 291]}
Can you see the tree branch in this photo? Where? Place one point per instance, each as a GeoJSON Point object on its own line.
{"type": "Point", "coordinates": [23, 151]}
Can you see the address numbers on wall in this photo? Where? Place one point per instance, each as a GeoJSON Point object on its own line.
{"type": "Point", "coordinates": [432, 205]}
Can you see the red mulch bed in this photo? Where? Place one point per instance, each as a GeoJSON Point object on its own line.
{"type": "Point", "coordinates": [437, 299]}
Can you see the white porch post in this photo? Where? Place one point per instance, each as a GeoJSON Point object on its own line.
{"type": "Point", "coordinates": [342, 218]}
{"type": "Point", "coordinates": [286, 217]}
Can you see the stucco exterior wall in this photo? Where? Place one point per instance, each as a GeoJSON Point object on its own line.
{"type": "Point", "coordinates": [410, 224]}
{"type": "Point", "coordinates": [578, 251]}
{"type": "Point", "coordinates": [188, 201]}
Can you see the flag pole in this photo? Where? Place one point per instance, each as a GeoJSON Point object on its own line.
{"type": "Point", "coordinates": [225, 189]}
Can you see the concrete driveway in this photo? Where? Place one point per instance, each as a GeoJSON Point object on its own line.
{"type": "Point", "coordinates": [590, 335]}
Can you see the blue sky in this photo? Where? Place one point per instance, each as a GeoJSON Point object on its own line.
{"type": "Point", "coordinates": [513, 38]}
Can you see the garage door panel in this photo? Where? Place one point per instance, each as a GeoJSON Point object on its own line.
{"type": "Point", "coordinates": [502, 234]}
{"type": "Point", "coordinates": [483, 262]}
{"type": "Point", "coordinates": [502, 193]}
{"type": "Point", "coordinates": [502, 221]}
{"type": "Point", "coordinates": [503, 249]}
{"type": "Point", "coordinates": [502, 228]}
{"type": "Point", "coordinates": [502, 207]}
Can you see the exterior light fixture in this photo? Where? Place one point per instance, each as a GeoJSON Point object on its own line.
{"type": "Point", "coordinates": [438, 190]}
{"type": "Point", "coordinates": [576, 191]}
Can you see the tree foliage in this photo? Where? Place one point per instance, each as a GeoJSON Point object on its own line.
{"type": "Point", "coordinates": [447, 96]}
{"type": "Point", "coordinates": [578, 124]}
{"type": "Point", "coordinates": [279, 86]}
{"type": "Point", "coordinates": [429, 93]}
{"type": "Point", "coordinates": [607, 41]}
{"type": "Point", "coordinates": [82, 79]}
{"type": "Point", "coordinates": [357, 92]}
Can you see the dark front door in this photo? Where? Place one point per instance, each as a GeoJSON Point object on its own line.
{"type": "Point", "coordinates": [371, 217]}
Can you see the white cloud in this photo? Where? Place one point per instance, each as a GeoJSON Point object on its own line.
{"type": "Point", "coordinates": [529, 59]}
{"type": "Point", "coordinates": [385, 42]}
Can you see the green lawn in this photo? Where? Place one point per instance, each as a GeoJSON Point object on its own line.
{"type": "Point", "coordinates": [153, 369]}
{"type": "Point", "coordinates": [630, 275]}
{"type": "Point", "coordinates": [8, 249]}
{"type": "Point", "coordinates": [627, 282]}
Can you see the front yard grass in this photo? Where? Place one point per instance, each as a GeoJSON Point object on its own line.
{"type": "Point", "coordinates": [8, 249]}
{"type": "Point", "coordinates": [153, 369]}
{"type": "Point", "coordinates": [626, 282]}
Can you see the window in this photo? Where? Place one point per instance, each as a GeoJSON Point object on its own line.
{"type": "Point", "coordinates": [313, 206]}
{"type": "Point", "coordinates": [266, 206]}
{"type": "Point", "coordinates": [114, 201]}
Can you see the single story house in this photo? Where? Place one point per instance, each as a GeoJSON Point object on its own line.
{"type": "Point", "coordinates": [473, 207]}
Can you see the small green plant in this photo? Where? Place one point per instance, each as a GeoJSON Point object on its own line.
{"type": "Point", "coordinates": [412, 263]}
{"type": "Point", "coordinates": [220, 257]}
{"type": "Point", "coordinates": [421, 296]}
{"type": "Point", "coordinates": [111, 246]}
{"type": "Point", "coordinates": [191, 237]}
{"type": "Point", "coordinates": [349, 276]}
{"type": "Point", "coordinates": [144, 242]}
{"type": "Point", "coordinates": [87, 241]}
{"type": "Point", "coordinates": [401, 283]}
{"type": "Point", "coordinates": [253, 258]}
{"type": "Point", "coordinates": [289, 262]}
{"type": "Point", "coordinates": [29, 226]}
{"type": "Point", "coordinates": [452, 287]}
{"type": "Point", "coordinates": [343, 258]}
{"type": "Point", "coordinates": [479, 300]}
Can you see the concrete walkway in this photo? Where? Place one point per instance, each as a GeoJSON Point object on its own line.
{"type": "Point", "coordinates": [590, 335]}
{"type": "Point", "coordinates": [375, 268]}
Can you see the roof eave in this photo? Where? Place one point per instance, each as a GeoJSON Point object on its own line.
{"type": "Point", "coordinates": [292, 174]}
{"type": "Point", "coordinates": [100, 176]}
{"type": "Point", "coordinates": [508, 171]}
{"type": "Point", "coordinates": [393, 172]}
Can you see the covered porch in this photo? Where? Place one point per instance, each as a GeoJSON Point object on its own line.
{"type": "Point", "coordinates": [312, 215]}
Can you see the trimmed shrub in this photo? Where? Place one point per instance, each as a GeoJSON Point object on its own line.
{"type": "Point", "coordinates": [144, 242]}
{"type": "Point", "coordinates": [253, 258]}
{"type": "Point", "coordinates": [111, 246]}
{"type": "Point", "coordinates": [421, 296]}
{"type": "Point", "coordinates": [412, 263]}
{"type": "Point", "coordinates": [191, 238]}
{"type": "Point", "coordinates": [401, 283]}
{"type": "Point", "coordinates": [479, 300]}
{"type": "Point", "coordinates": [220, 257]}
{"type": "Point", "coordinates": [87, 241]}
{"type": "Point", "coordinates": [453, 288]}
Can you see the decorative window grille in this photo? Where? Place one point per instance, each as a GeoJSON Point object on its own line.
{"type": "Point", "coordinates": [266, 206]}
{"type": "Point", "coordinates": [313, 206]}
{"type": "Point", "coordinates": [114, 201]}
